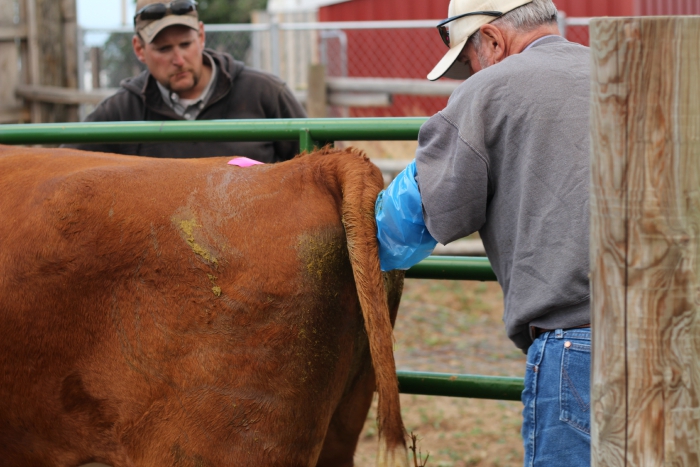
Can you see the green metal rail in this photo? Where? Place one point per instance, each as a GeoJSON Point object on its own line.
{"type": "Point", "coordinates": [453, 267]}
{"type": "Point", "coordinates": [452, 385]}
{"type": "Point", "coordinates": [473, 386]}
{"type": "Point", "coordinates": [311, 133]}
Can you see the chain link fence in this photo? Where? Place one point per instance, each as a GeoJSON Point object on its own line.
{"type": "Point", "coordinates": [386, 49]}
{"type": "Point", "coordinates": [576, 30]}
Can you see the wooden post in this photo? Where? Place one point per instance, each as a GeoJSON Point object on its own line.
{"type": "Point", "coordinates": [645, 241]}
{"type": "Point", "coordinates": [10, 31]}
{"type": "Point", "coordinates": [316, 97]}
{"type": "Point", "coordinates": [33, 54]}
{"type": "Point", "coordinates": [53, 60]}
{"type": "Point", "coordinates": [69, 18]}
{"type": "Point", "coordinates": [95, 66]}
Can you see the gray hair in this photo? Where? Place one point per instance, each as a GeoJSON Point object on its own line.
{"type": "Point", "coordinates": [524, 19]}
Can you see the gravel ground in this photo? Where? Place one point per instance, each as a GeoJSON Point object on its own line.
{"type": "Point", "coordinates": [454, 327]}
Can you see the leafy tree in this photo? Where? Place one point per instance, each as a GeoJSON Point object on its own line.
{"type": "Point", "coordinates": [228, 11]}
{"type": "Point", "coordinates": [119, 60]}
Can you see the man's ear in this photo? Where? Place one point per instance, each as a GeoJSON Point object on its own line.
{"type": "Point", "coordinates": [493, 42]}
{"type": "Point", "coordinates": [202, 36]}
{"type": "Point", "coordinates": [139, 45]}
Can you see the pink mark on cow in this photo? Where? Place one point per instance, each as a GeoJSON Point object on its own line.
{"type": "Point", "coordinates": [243, 162]}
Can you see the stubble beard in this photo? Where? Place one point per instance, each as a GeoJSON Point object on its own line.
{"type": "Point", "coordinates": [484, 61]}
{"type": "Point", "coordinates": [195, 80]}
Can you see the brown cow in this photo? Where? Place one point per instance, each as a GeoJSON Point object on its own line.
{"type": "Point", "coordinates": [190, 313]}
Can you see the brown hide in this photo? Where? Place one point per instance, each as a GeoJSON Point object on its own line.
{"type": "Point", "coordinates": [191, 313]}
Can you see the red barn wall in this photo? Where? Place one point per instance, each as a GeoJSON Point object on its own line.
{"type": "Point", "coordinates": [668, 7]}
{"type": "Point", "coordinates": [384, 10]}
{"type": "Point", "coordinates": [378, 10]}
{"type": "Point", "coordinates": [392, 53]}
{"type": "Point", "coordinates": [411, 53]}
{"type": "Point", "coordinates": [577, 8]}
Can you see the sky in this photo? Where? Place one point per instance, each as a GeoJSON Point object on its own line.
{"type": "Point", "coordinates": [102, 14]}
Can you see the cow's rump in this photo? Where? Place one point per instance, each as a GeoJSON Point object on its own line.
{"type": "Point", "coordinates": [187, 312]}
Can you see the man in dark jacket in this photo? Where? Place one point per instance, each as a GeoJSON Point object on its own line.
{"type": "Point", "coordinates": [185, 81]}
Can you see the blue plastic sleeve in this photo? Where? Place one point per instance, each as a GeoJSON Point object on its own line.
{"type": "Point", "coordinates": [403, 237]}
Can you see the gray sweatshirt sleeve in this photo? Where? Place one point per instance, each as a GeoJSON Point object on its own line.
{"type": "Point", "coordinates": [453, 181]}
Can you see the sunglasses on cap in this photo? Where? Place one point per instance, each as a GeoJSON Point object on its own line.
{"type": "Point", "coordinates": [156, 11]}
{"type": "Point", "coordinates": [445, 30]}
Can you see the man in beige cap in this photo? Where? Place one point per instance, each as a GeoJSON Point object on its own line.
{"type": "Point", "coordinates": [508, 157]}
{"type": "Point", "coordinates": [185, 81]}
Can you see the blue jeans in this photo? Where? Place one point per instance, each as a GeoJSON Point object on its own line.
{"type": "Point", "coordinates": [556, 415]}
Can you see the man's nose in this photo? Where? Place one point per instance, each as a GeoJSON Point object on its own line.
{"type": "Point", "coordinates": [178, 59]}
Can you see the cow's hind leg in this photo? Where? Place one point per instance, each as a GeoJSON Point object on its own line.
{"type": "Point", "coordinates": [348, 420]}
{"type": "Point", "coordinates": [350, 415]}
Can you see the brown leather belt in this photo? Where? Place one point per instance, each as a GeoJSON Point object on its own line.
{"type": "Point", "coordinates": [535, 332]}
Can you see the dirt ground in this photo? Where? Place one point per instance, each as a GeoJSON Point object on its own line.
{"type": "Point", "coordinates": [454, 327]}
{"type": "Point", "coordinates": [383, 149]}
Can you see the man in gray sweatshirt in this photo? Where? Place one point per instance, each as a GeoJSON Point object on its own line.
{"type": "Point", "coordinates": [508, 157]}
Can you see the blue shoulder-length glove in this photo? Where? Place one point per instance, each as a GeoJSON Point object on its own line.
{"type": "Point", "coordinates": [403, 237]}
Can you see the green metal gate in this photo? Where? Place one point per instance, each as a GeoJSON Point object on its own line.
{"type": "Point", "coordinates": [311, 133]}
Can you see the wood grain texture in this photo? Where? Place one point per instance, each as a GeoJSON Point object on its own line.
{"type": "Point", "coordinates": [645, 241]}
{"type": "Point", "coordinates": [9, 60]}
{"type": "Point", "coordinates": [53, 57]}
{"type": "Point", "coordinates": [316, 101]}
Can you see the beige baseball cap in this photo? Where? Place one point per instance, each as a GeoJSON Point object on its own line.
{"type": "Point", "coordinates": [148, 23]}
{"type": "Point", "coordinates": [464, 18]}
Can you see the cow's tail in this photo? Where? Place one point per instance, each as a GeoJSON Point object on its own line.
{"type": "Point", "coordinates": [361, 181]}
